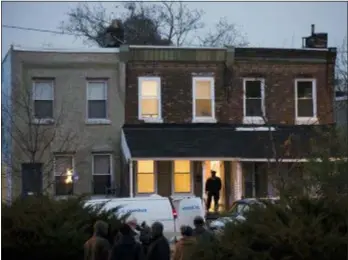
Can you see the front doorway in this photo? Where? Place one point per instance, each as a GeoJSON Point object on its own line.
{"type": "Point", "coordinates": [217, 166]}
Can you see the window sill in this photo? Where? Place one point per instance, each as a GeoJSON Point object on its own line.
{"type": "Point", "coordinates": [307, 121]}
{"type": "Point", "coordinates": [253, 120]}
{"type": "Point", "coordinates": [43, 121]}
{"type": "Point", "coordinates": [151, 120]}
{"type": "Point", "coordinates": [204, 120]}
{"type": "Point", "coordinates": [98, 121]}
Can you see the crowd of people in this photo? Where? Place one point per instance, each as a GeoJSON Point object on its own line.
{"type": "Point", "coordinates": [133, 242]}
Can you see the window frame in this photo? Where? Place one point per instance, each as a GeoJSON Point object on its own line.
{"type": "Point", "coordinates": [155, 179]}
{"type": "Point", "coordinates": [33, 90]}
{"type": "Point", "coordinates": [174, 193]}
{"type": "Point", "coordinates": [102, 174]}
{"type": "Point", "coordinates": [254, 119]}
{"type": "Point", "coordinates": [159, 99]}
{"type": "Point", "coordinates": [105, 120]}
{"type": "Point", "coordinates": [212, 118]}
{"type": "Point", "coordinates": [306, 120]}
{"type": "Point", "coordinates": [56, 175]}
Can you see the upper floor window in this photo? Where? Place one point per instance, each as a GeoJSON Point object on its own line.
{"type": "Point", "coordinates": [203, 90]}
{"type": "Point", "coordinates": [253, 100]}
{"type": "Point", "coordinates": [149, 91]}
{"type": "Point", "coordinates": [63, 174]}
{"type": "Point", "coordinates": [97, 99]}
{"type": "Point", "coordinates": [182, 177]}
{"type": "Point", "coordinates": [43, 96]}
{"type": "Point", "coordinates": [146, 182]}
{"type": "Point", "coordinates": [102, 170]}
{"type": "Point", "coordinates": [305, 100]}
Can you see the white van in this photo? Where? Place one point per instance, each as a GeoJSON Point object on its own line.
{"type": "Point", "coordinates": [171, 212]}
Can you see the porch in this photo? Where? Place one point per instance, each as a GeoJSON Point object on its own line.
{"type": "Point", "coordinates": [175, 160]}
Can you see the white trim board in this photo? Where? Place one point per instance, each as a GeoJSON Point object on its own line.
{"type": "Point", "coordinates": [228, 159]}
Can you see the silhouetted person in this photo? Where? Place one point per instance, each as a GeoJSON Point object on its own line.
{"type": "Point", "coordinates": [200, 232]}
{"type": "Point", "coordinates": [98, 247]}
{"type": "Point", "coordinates": [212, 188]}
{"type": "Point", "coordinates": [159, 247]}
{"type": "Point", "coordinates": [184, 248]}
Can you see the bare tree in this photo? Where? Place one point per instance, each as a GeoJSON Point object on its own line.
{"type": "Point", "coordinates": [342, 67]}
{"type": "Point", "coordinates": [173, 23]}
{"type": "Point", "coordinates": [37, 141]}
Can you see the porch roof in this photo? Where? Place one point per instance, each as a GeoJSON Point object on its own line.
{"type": "Point", "coordinates": [220, 140]}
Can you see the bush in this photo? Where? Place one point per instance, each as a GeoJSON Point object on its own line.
{"type": "Point", "coordinates": [41, 228]}
{"type": "Point", "coordinates": [301, 229]}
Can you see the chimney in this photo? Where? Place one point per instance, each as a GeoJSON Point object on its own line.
{"type": "Point", "coordinates": [114, 34]}
{"type": "Point", "coordinates": [315, 40]}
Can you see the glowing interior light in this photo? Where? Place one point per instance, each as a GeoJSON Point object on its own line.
{"type": "Point", "coordinates": [69, 176]}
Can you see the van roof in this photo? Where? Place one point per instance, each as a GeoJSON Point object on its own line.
{"type": "Point", "coordinates": [129, 199]}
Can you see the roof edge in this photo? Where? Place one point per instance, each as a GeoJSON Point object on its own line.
{"type": "Point", "coordinates": [66, 50]}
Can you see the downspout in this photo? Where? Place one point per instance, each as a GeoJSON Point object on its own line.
{"type": "Point", "coordinates": [131, 189]}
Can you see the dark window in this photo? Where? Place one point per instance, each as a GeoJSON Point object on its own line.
{"type": "Point", "coordinates": [253, 98]}
{"type": "Point", "coordinates": [101, 173]}
{"type": "Point", "coordinates": [305, 102]}
{"type": "Point", "coordinates": [63, 171]}
{"type": "Point", "coordinates": [97, 96]}
{"type": "Point", "coordinates": [43, 99]}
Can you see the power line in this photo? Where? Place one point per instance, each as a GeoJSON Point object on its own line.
{"type": "Point", "coordinates": [39, 30]}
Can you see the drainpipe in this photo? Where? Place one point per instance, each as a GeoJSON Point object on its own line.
{"type": "Point", "coordinates": [203, 179]}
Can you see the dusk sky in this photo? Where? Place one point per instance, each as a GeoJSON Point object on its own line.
{"type": "Point", "coordinates": [268, 24]}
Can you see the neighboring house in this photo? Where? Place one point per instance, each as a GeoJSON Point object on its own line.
{"type": "Point", "coordinates": [341, 103]}
{"type": "Point", "coordinates": [190, 110]}
{"type": "Point", "coordinates": [63, 112]}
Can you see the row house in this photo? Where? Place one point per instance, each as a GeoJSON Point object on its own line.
{"type": "Point", "coordinates": [139, 120]}
{"type": "Point", "coordinates": [62, 113]}
{"type": "Point", "coordinates": [234, 110]}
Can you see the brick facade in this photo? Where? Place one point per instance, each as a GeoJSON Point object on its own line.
{"type": "Point", "coordinates": [279, 74]}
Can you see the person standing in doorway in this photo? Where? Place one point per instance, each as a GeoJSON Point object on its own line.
{"type": "Point", "coordinates": [212, 189]}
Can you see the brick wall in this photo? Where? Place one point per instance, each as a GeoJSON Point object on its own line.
{"type": "Point", "coordinates": [176, 88]}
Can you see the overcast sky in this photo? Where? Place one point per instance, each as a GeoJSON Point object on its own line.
{"type": "Point", "coordinates": [266, 24]}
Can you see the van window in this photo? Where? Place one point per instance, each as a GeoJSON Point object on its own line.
{"type": "Point", "coordinates": [182, 177]}
{"type": "Point", "coordinates": [145, 177]}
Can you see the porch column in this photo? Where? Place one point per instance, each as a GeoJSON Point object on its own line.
{"type": "Point", "coordinates": [131, 193]}
{"type": "Point", "coordinates": [238, 180]}
{"type": "Point", "coordinates": [203, 179]}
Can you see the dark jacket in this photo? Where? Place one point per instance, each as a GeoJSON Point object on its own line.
{"type": "Point", "coordinates": [98, 247]}
{"type": "Point", "coordinates": [213, 185]}
{"type": "Point", "coordinates": [126, 249]}
{"type": "Point", "coordinates": [159, 249]}
{"type": "Point", "coordinates": [184, 248]}
{"type": "Point", "coordinates": [202, 235]}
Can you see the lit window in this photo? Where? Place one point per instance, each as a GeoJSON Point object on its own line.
{"type": "Point", "coordinates": [182, 177]}
{"type": "Point", "coordinates": [43, 99]}
{"type": "Point", "coordinates": [203, 98]}
{"type": "Point", "coordinates": [63, 174]}
{"type": "Point", "coordinates": [149, 98]}
{"type": "Point", "coordinates": [145, 177]}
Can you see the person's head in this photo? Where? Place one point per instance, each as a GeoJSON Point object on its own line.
{"type": "Point", "coordinates": [198, 221]}
{"type": "Point", "coordinates": [125, 230]}
{"type": "Point", "coordinates": [186, 231]}
{"type": "Point", "coordinates": [157, 229]}
{"type": "Point", "coordinates": [213, 173]}
{"type": "Point", "coordinates": [101, 228]}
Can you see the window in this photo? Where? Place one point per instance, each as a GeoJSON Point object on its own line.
{"type": "Point", "coordinates": [146, 177]}
{"type": "Point", "coordinates": [96, 99]}
{"type": "Point", "coordinates": [203, 99]}
{"type": "Point", "coordinates": [182, 177]}
{"type": "Point", "coordinates": [63, 174]}
{"type": "Point", "coordinates": [43, 99]}
{"type": "Point", "coordinates": [305, 98]}
{"type": "Point", "coordinates": [149, 98]}
{"type": "Point", "coordinates": [253, 98]}
{"type": "Point", "coordinates": [101, 165]}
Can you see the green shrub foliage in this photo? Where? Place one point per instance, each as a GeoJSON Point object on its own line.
{"type": "Point", "coordinates": [41, 228]}
{"type": "Point", "coordinates": [299, 229]}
